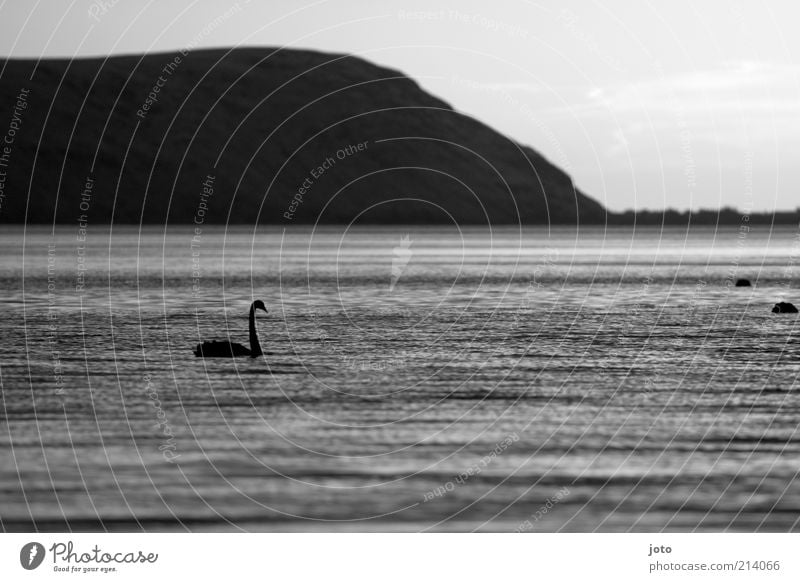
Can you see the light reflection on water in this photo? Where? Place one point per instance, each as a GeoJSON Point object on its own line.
{"type": "Point", "coordinates": [626, 368]}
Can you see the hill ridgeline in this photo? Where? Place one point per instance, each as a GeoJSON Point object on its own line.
{"type": "Point", "coordinates": [258, 135]}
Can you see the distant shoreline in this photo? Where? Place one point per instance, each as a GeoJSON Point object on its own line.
{"type": "Point", "coordinates": [705, 217]}
{"type": "Point", "coordinates": [725, 217]}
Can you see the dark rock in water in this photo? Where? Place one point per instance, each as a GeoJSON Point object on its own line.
{"type": "Point", "coordinates": [784, 307]}
{"type": "Point", "coordinates": [743, 283]}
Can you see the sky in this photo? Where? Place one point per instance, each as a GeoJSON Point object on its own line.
{"type": "Point", "coordinates": [647, 105]}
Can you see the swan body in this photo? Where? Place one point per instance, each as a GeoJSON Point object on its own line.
{"type": "Point", "coordinates": [228, 349]}
{"type": "Point", "coordinates": [221, 349]}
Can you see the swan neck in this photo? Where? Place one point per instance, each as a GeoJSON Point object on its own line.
{"type": "Point", "coordinates": [255, 345]}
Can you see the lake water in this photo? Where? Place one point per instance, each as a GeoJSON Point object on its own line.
{"type": "Point", "coordinates": [415, 379]}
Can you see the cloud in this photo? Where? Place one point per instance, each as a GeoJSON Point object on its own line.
{"type": "Point", "coordinates": [743, 88]}
{"type": "Point", "coordinates": [740, 105]}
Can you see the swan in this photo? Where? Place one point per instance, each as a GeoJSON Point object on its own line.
{"type": "Point", "coordinates": [228, 349]}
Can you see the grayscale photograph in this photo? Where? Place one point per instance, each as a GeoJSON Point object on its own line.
{"type": "Point", "coordinates": [360, 267]}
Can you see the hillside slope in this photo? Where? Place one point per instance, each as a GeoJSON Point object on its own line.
{"type": "Point", "coordinates": [274, 136]}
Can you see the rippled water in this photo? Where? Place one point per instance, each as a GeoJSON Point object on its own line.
{"type": "Point", "coordinates": [459, 379]}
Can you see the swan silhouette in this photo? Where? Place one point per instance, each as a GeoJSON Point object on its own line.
{"type": "Point", "coordinates": [228, 349]}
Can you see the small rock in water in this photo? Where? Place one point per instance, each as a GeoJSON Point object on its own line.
{"type": "Point", "coordinates": [784, 307]}
{"type": "Point", "coordinates": [743, 282]}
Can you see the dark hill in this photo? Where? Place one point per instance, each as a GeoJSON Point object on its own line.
{"type": "Point", "coordinates": [260, 122]}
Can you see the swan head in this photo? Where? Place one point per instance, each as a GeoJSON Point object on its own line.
{"type": "Point", "coordinates": [258, 304]}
